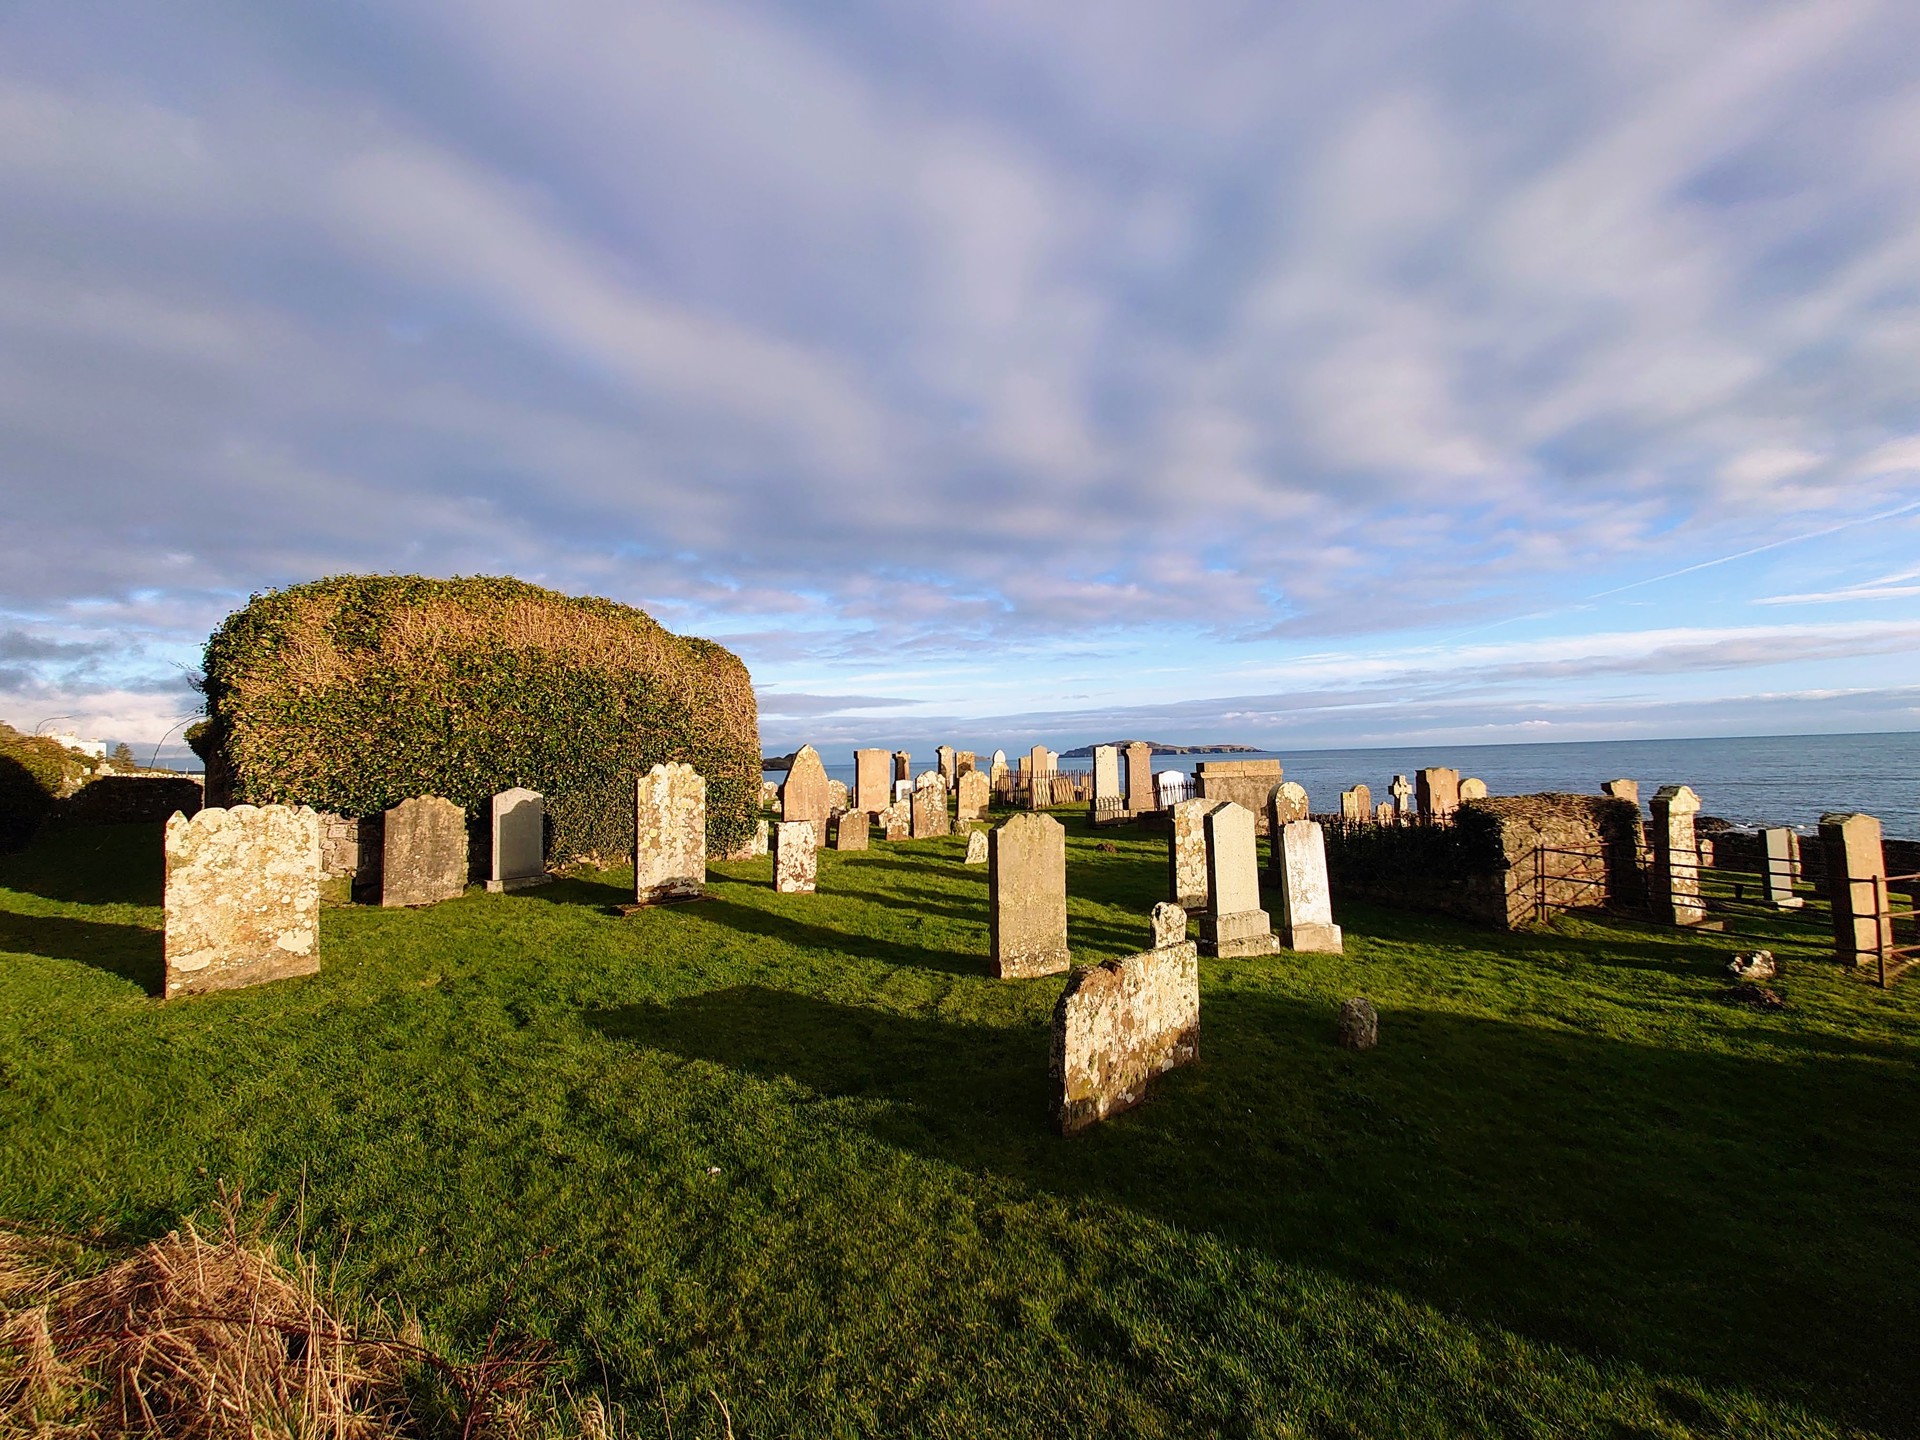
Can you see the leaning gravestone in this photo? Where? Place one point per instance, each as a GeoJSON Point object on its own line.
{"type": "Point", "coordinates": [974, 796]}
{"type": "Point", "coordinates": [804, 795]}
{"type": "Point", "coordinates": [1118, 1026]}
{"type": "Point", "coordinates": [850, 830]}
{"type": "Point", "coordinates": [929, 806]}
{"type": "Point", "coordinates": [1187, 853]}
{"type": "Point", "coordinates": [242, 897]}
{"type": "Point", "coordinates": [519, 840]}
{"type": "Point", "coordinates": [796, 859]}
{"type": "Point", "coordinates": [1027, 897]}
{"type": "Point", "coordinates": [976, 847]}
{"type": "Point", "coordinates": [1234, 924]}
{"type": "Point", "coordinates": [423, 852]}
{"type": "Point", "coordinates": [670, 835]}
{"type": "Point", "coordinates": [1306, 905]}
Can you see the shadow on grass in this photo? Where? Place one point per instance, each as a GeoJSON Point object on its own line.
{"type": "Point", "coordinates": [91, 865]}
{"type": "Point", "coordinates": [1693, 1212]}
{"type": "Point", "coordinates": [131, 952]}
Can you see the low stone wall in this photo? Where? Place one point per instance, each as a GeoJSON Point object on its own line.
{"type": "Point", "coordinates": [130, 800]}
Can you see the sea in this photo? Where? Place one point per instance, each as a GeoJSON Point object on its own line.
{"type": "Point", "coordinates": [1752, 781]}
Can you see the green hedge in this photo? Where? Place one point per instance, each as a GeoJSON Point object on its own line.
{"type": "Point", "coordinates": [353, 693]}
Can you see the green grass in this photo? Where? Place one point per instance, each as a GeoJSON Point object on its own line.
{"type": "Point", "coordinates": [794, 1151]}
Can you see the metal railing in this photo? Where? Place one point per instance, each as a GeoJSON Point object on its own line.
{"type": "Point", "coordinates": [1891, 960]}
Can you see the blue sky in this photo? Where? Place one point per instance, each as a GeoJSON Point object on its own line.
{"type": "Point", "coordinates": [1301, 375]}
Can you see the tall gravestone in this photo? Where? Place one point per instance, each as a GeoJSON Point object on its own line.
{"type": "Point", "coordinates": [1234, 924]}
{"type": "Point", "coordinates": [1142, 793]}
{"type": "Point", "coordinates": [1438, 791]}
{"type": "Point", "coordinates": [1306, 903]}
{"type": "Point", "coordinates": [872, 780]}
{"type": "Point", "coordinates": [1117, 1027]}
{"type": "Point", "coordinates": [1402, 792]}
{"type": "Point", "coordinates": [1676, 857]}
{"type": "Point", "coordinates": [1187, 853]}
{"type": "Point", "coordinates": [242, 897]}
{"type": "Point", "coordinates": [1856, 865]}
{"type": "Point", "coordinates": [974, 796]}
{"type": "Point", "coordinates": [1109, 803]}
{"type": "Point", "coordinates": [1783, 867]}
{"type": "Point", "coordinates": [519, 824]}
{"type": "Point", "coordinates": [1027, 897]}
{"type": "Point", "coordinates": [670, 835]}
{"type": "Point", "coordinates": [796, 858]}
{"type": "Point", "coordinates": [902, 766]}
{"type": "Point", "coordinates": [850, 830]}
{"type": "Point", "coordinates": [805, 794]}
{"type": "Point", "coordinates": [423, 852]}
{"type": "Point", "coordinates": [944, 760]}
{"type": "Point", "coordinates": [929, 806]}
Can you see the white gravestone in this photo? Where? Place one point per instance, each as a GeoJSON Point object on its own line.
{"type": "Point", "coordinates": [519, 840]}
{"type": "Point", "coordinates": [1306, 905]}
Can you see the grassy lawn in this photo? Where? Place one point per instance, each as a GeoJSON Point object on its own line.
{"type": "Point", "coordinates": [794, 1151]}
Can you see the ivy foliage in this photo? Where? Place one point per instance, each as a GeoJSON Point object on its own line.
{"type": "Point", "coordinates": [355, 692]}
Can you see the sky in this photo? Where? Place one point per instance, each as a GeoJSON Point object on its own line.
{"type": "Point", "coordinates": [1300, 375]}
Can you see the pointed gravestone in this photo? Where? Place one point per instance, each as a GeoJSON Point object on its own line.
{"type": "Point", "coordinates": [519, 822]}
{"type": "Point", "coordinates": [1027, 897]}
{"type": "Point", "coordinates": [796, 858]}
{"type": "Point", "coordinates": [423, 852]}
{"type": "Point", "coordinates": [242, 897]}
{"type": "Point", "coordinates": [1306, 904]}
{"type": "Point", "coordinates": [805, 794]}
{"type": "Point", "coordinates": [670, 835]}
{"type": "Point", "coordinates": [1234, 924]}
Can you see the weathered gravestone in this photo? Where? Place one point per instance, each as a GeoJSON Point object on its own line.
{"type": "Point", "coordinates": [902, 765]}
{"type": "Point", "coordinates": [1187, 853]}
{"type": "Point", "coordinates": [975, 795]}
{"type": "Point", "coordinates": [1247, 783]}
{"type": "Point", "coordinates": [1119, 1025]}
{"type": "Point", "coordinates": [1676, 857]}
{"type": "Point", "coordinates": [796, 859]}
{"type": "Point", "coordinates": [896, 821]}
{"type": "Point", "coordinates": [965, 762]}
{"type": "Point", "coordinates": [850, 830]}
{"type": "Point", "coordinates": [804, 795]}
{"type": "Point", "coordinates": [1856, 879]}
{"type": "Point", "coordinates": [1109, 803]}
{"type": "Point", "coordinates": [1358, 1025]}
{"type": "Point", "coordinates": [423, 856]}
{"type": "Point", "coordinates": [836, 796]}
{"type": "Point", "coordinates": [872, 780]}
{"type": "Point", "coordinates": [1286, 804]}
{"type": "Point", "coordinates": [1169, 924]}
{"type": "Point", "coordinates": [1402, 792]}
{"type": "Point", "coordinates": [242, 897]}
{"type": "Point", "coordinates": [1142, 794]}
{"type": "Point", "coordinates": [1357, 805]}
{"type": "Point", "coordinates": [1473, 789]}
{"type": "Point", "coordinates": [1234, 924]}
{"type": "Point", "coordinates": [670, 835]}
{"type": "Point", "coordinates": [1438, 789]}
{"type": "Point", "coordinates": [1027, 897]}
{"type": "Point", "coordinates": [1306, 904]}
{"type": "Point", "coordinates": [1385, 813]}
{"type": "Point", "coordinates": [929, 806]}
{"type": "Point", "coordinates": [1783, 868]}
{"type": "Point", "coordinates": [976, 847]}
{"type": "Point", "coordinates": [519, 840]}
{"type": "Point", "coordinates": [1621, 790]}
{"type": "Point", "coordinates": [943, 761]}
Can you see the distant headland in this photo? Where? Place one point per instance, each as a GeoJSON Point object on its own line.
{"type": "Point", "coordinates": [1085, 752]}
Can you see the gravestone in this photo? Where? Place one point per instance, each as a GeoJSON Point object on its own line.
{"type": "Point", "coordinates": [1357, 805]}
{"type": "Point", "coordinates": [242, 897]}
{"type": "Point", "coordinates": [1039, 770]}
{"type": "Point", "coordinates": [965, 762]}
{"type": "Point", "coordinates": [1306, 903]}
{"type": "Point", "coordinates": [1247, 783]}
{"type": "Point", "coordinates": [975, 794]}
{"type": "Point", "coordinates": [896, 821]}
{"type": "Point", "coordinates": [1169, 925]}
{"type": "Point", "coordinates": [670, 835]}
{"type": "Point", "coordinates": [519, 840]}
{"type": "Point", "coordinates": [1358, 1025]}
{"type": "Point", "coordinates": [943, 761]}
{"type": "Point", "coordinates": [1234, 924]}
{"type": "Point", "coordinates": [976, 847]}
{"type": "Point", "coordinates": [804, 795]}
{"type": "Point", "coordinates": [1170, 787]}
{"type": "Point", "coordinates": [902, 792]}
{"type": "Point", "coordinates": [1027, 897]}
{"type": "Point", "coordinates": [999, 766]}
{"type": "Point", "coordinates": [929, 806]}
{"type": "Point", "coordinates": [769, 794]}
{"type": "Point", "coordinates": [850, 830]}
{"type": "Point", "coordinates": [423, 857]}
{"type": "Point", "coordinates": [1187, 854]}
{"type": "Point", "coordinates": [1471, 789]}
{"type": "Point", "coordinates": [836, 796]}
{"type": "Point", "coordinates": [1384, 813]}
{"type": "Point", "coordinates": [1783, 868]}
{"type": "Point", "coordinates": [1109, 803]}
{"type": "Point", "coordinates": [1621, 790]}
{"type": "Point", "coordinates": [902, 766]}
{"type": "Point", "coordinates": [1438, 788]}
{"type": "Point", "coordinates": [1286, 804]}
{"type": "Point", "coordinates": [872, 780]}
{"type": "Point", "coordinates": [1856, 874]}
{"type": "Point", "coordinates": [1402, 792]}
{"type": "Point", "coordinates": [1119, 1025]}
{"type": "Point", "coordinates": [796, 859]}
{"type": "Point", "coordinates": [1676, 857]}
{"type": "Point", "coordinates": [1142, 793]}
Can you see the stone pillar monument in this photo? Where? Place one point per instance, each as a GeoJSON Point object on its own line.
{"type": "Point", "coordinates": [1676, 857]}
{"type": "Point", "coordinates": [1855, 861]}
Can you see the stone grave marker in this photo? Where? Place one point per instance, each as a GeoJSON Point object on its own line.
{"type": "Point", "coordinates": [1169, 925]}
{"type": "Point", "coordinates": [836, 796]}
{"type": "Point", "coordinates": [423, 854]}
{"type": "Point", "coordinates": [896, 821]}
{"type": "Point", "coordinates": [850, 830]}
{"type": "Point", "coordinates": [1856, 857]}
{"type": "Point", "coordinates": [1357, 805]}
{"type": "Point", "coordinates": [1621, 790]}
{"type": "Point", "coordinates": [1027, 897]}
{"type": "Point", "coordinates": [804, 795]}
{"type": "Point", "coordinates": [1385, 813]}
{"type": "Point", "coordinates": [1472, 789]}
{"type": "Point", "coordinates": [670, 835]}
{"type": "Point", "coordinates": [1119, 1025]}
{"type": "Point", "coordinates": [1402, 792]}
{"type": "Point", "coordinates": [976, 847]}
{"type": "Point", "coordinates": [872, 780]}
{"type": "Point", "coordinates": [1187, 854]}
{"type": "Point", "coordinates": [1109, 803]}
{"type": "Point", "coordinates": [519, 840]}
{"type": "Point", "coordinates": [1247, 783]}
{"type": "Point", "coordinates": [242, 897]}
{"type": "Point", "coordinates": [1676, 857]}
{"type": "Point", "coordinates": [1438, 789]}
{"type": "Point", "coordinates": [944, 761]}
{"type": "Point", "coordinates": [929, 806]}
{"type": "Point", "coordinates": [1287, 803]}
{"type": "Point", "coordinates": [902, 766]}
{"type": "Point", "coordinates": [1142, 794]}
{"type": "Point", "coordinates": [965, 762]}
{"type": "Point", "coordinates": [1234, 924]}
{"type": "Point", "coordinates": [1306, 903]}
{"type": "Point", "coordinates": [796, 858]}
{"type": "Point", "coordinates": [1783, 868]}
{"type": "Point", "coordinates": [975, 794]}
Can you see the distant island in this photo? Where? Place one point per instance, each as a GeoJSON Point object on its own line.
{"type": "Point", "coordinates": [1085, 752]}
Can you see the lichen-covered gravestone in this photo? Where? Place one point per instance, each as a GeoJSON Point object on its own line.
{"type": "Point", "coordinates": [1187, 853]}
{"type": "Point", "coordinates": [1306, 906]}
{"type": "Point", "coordinates": [519, 840]}
{"type": "Point", "coordinates": [423, 856]}
{"type": "Point", "coordinates": [836, 796]}
{"type": "Point", "coordinates": [974, 795]}
{"type": "Point", "coordinates": [1138, 764]}
{"type": "Point", "coordinates": [1234, 924]}
{"type": "Point", "coordinates": [976, 847]}
{"type": "Point", "coordinates": [1169, 924]}
{"type": "Point", "coordinates": [929, 806]}
{"type": "Point", "coordinates": [1438, 789]}
{"type": "Point", "coordinates": [872, 780]}
{"type": "Point", "coordinates": [670, 835]}
{"type": "Point", "coordinates": [896, 820]}
{"type": "Point", "coordinates": [1027, 896]}
{"type": "Point", "coordinates": [1117, 1027]}
{"type": "Point", "coordinates": [242, 897]}
{"type": "Point", "coordinates": [1286, 804]}
{"type": "Point", "coordinates": [796, 859]}
{"type": "Point", "coordinates": [850, 830]}
{"type": "Point", "coordinates": [1357, 805]}
{"type": "Point", "coordinates": [804, 795]}
{"type": "Point", "coordinates": [1358, 1025]}
{"type": "Point", "coordinates": [1676, 857]}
